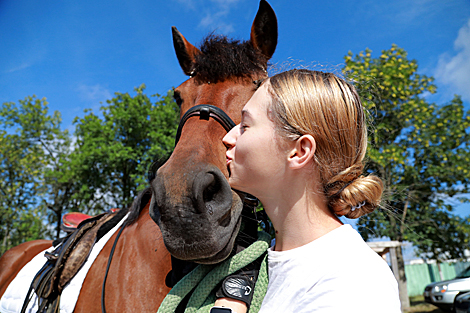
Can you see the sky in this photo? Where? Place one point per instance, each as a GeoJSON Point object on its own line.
{"type": "Point", "coordinates": [77, 54]}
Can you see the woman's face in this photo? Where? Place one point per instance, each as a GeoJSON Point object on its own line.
{"type": "Point", "coordinates": [255, 157]}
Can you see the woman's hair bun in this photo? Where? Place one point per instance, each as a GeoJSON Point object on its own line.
{"type": "Point", "coordinates": [356, 197]}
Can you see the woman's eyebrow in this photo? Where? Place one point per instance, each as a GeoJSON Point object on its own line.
{"type": "Point", "coordinates": [245, 114]}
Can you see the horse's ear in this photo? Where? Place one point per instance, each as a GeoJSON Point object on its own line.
{"type": "Point", "coordinates": [185, 52]}
{"type": "Point", "coordinates": [264, 30]}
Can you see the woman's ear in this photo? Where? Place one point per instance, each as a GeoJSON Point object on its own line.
{"type": "Point", "coordinates": [303, 152]}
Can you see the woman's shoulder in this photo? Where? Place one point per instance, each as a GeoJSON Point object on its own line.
{"type": "Point", "coordinates": [353, 250]}
{"type": "Point", "coordinates": [343, 254]}
{"type": "Point", "coordinates": [340, 249]}
{"type": "Point", "coordinates": [339, 265]}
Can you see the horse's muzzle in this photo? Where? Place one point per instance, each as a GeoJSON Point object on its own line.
{"type": "Point", "coordinates": [198, 213]}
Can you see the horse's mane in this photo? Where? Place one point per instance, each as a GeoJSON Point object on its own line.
{"type": "Point", "coordinates": [137, 205]}
{"type": "Point", "coordinates": [222, 58]}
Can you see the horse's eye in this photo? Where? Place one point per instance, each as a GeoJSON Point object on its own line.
{"type": "Point", "coordinates": [152, 171]}
{"type": "Point", "coordinates": [258, 82]}
{"type": "Point", "coordinates": [153, 168]}
{"type": "Point", "coordinates": [177, 97]}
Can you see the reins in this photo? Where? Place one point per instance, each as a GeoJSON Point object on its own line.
{"type": "Point", "coordinates": [103, 309]}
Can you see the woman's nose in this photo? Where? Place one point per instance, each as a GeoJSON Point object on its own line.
{"type": "Point", "coordinates": [230, 139]}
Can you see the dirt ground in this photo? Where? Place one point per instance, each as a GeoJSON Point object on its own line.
{"type": "Point", "coordinates": [419, 306]}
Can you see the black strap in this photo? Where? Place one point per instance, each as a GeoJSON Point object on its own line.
{"type": "Point", "coordinates": [103, 309]}
{"type": "Point", "coordinates": [205, 111]}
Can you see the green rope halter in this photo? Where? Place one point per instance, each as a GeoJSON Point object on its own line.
{"type": "Point", "coordinates": [204, 278]}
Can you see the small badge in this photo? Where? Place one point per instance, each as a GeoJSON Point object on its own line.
{"type": "Point", "coordinates": [237, 287]}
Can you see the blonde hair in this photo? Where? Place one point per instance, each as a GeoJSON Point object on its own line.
{"type": "Point", "coordinates": [328, 108]}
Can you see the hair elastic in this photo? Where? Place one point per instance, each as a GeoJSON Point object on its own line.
{"type": "Point", "coordinates": [358, 206]}
{"type": "Point", "coordinates": [331, 185]}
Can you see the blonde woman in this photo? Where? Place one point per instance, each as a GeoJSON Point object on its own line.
{"type": "Point", "coordinates": [299, 149]}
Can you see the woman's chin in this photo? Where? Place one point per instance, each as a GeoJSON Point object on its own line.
{"type": "Point", "coordinates": [234, 183]}
{"type": "Point", "coordinates": [240, 188]}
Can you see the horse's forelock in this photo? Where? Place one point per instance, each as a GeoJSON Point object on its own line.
{"type": "Point", "coordinates": [222, 58]}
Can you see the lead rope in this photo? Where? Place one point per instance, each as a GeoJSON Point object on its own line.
{"type": "Point", "coordinates": [204, 278]}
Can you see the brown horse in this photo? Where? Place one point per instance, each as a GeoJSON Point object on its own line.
{"type": "Point", "coordinates": [198, 214]}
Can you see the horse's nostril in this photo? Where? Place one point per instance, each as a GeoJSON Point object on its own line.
{"type": "Point", "coordinates": [211, 192]}
{"type": "Point", "coordinates": [210, 187]}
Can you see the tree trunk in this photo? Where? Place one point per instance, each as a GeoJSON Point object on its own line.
{"type": "Point", "coordinates": [441, 275]}
{"type": "Point", "coordinates": [5, 241]}
{"type": "Point", "coordinates": [59, 222]}
{"type": "Point", "coordinates": [402, 288]}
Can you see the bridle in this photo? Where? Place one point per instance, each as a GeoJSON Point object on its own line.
{"type": "Point", "coordinates": [205, 111]}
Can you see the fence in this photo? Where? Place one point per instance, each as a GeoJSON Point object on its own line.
{"type": "Point", "coordinates": [420, 275]}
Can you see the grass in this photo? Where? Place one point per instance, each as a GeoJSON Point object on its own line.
{"type": "Point", "coordinates": [417, 305]}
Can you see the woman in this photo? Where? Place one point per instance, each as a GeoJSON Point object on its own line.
{"type": "Point", "coordinates": [299, 149]}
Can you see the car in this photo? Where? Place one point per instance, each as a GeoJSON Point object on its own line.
{"type": "Point", "coordinates": [442, 294]}
{"type": "Point", "coordinates": [462, 303]}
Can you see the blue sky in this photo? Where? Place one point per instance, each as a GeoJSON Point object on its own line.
{"type": "Point", "coordinates": [78, 53]}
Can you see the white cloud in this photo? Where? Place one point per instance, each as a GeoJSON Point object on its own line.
{"type": "Point", "coordinates": [410, 11]}
{"type": "Point", "coordinates": [213, 21]}
{"type": "Point", "coordinates": [454, 69]}
{"type": "Point", "coordinates": [188, 4]}
{"type": "Point", "coordinates": [213, 17]}
{"type": "Point", "coordinates": [19, 68]}
{"type": "Point", "coordinates": [95, 93]}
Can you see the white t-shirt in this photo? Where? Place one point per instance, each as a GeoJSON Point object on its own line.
{"type": "Point", "coordinates": [335, 273]}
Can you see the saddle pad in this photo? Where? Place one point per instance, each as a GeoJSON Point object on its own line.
{"type": "Point", "coordinates": [12, 300]}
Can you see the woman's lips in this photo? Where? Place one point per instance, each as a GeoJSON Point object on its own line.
{"type": "Point", "coordinates": [228, 161]}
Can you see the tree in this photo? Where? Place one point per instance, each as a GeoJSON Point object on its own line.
{"type": "Point", "coordinates": [420, 150]}
{"type": "Point", "coordinates": [59, 179]}
{"type": "Point", "coordinates": [113, 153]}
{"type": "Point", "coordinates": [28, 140]}
{"type": "Point", "coordinates": [44, 173]}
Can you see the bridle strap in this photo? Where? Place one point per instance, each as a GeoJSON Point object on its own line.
{"type": "Point", "coordinates": [205, 111]}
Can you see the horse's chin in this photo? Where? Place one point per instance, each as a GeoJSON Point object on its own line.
{"type": "Point", "coordinates": [225, 252]}
{"type": "Point", "coordinates": [201, 251]}
{"type": "Point", "coordinates": [197, 237]}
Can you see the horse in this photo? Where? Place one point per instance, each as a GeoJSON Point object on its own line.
{"type": "Point", "coordinates": [189, 210]}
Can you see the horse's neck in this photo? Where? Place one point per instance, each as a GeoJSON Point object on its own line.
{"type": "Point", "coordinates": [145, 232]}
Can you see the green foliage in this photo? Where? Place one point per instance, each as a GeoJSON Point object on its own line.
{"type": "Point", "coordinates": [44, 174]}
{"type": "Point", "coordinates": [113, 153]}
{"type": "Point", "coordinates": [26, 133]}
{"type": "Point", "coordinates": [420, 150]}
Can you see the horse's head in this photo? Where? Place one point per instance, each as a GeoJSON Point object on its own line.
{"type": "Point", "coordinates": [198, 213]}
